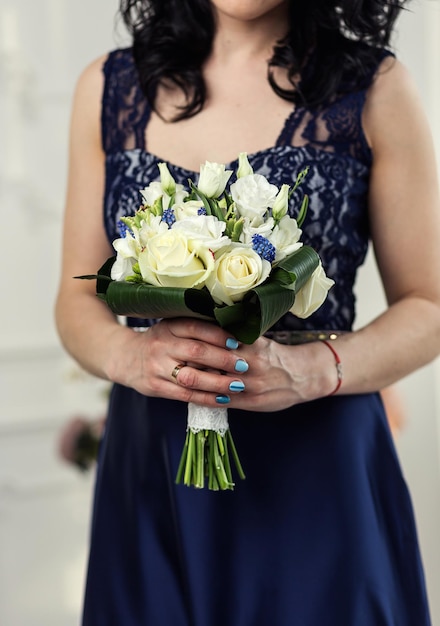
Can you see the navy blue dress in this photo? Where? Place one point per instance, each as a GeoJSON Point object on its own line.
{"type": "Point", "coordinates": [321, 533]}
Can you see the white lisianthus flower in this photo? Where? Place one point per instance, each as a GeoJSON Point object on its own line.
{"type": "Point", "coordinates": [167, 182]}
{"type": "Point", "coordinates": [235, 273]}
{"type": "Point", "coordinates": [187, 209]}
{"type": "Point", "coordinates": [170, 259]}
{"type": "Point", "coordinates": [127, 251]}
{"type": "Point", "coordinates": [253, 195]}
{"type": "Point", "coordinates": [244, 167]}
{"type": "Point", "coordinates": [285, 237]}
{"type": "Point", "coordinates": [264, 229]}
{"type": "Point", "coordinates": [180, 194]}
{"type": "Point", "coordinates": [281, 204]}
{"type": "Point", "coordinates": [313, 294]}
{"type": "Point", "coordinates": [151, 193]}
{"type": "Point", "coordinates": [205, 229]}
{"type": "Point", "coordinates": [155, 190]}
{"type": "Point", "coordinates": [150, 226]}
{"type": "Point", "coordinates": [213, 179]}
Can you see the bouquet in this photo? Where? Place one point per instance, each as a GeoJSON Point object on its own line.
{"type": "Point", "coordinates": [233, 256]}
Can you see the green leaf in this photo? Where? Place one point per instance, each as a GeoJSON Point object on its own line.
{"type": "Point", "coordinates": [303, 211]}
{"type": "Point", "coordinates": [103, 277]}
{"type": "Point", "coordinates": [201, 197]}
{"type": "Point", "coordinates": [257, 312]}
{"type": "Point", "coordinates": [301, 263]}
{"type": "Point", "coordinates": [263, 306]}
{"type": "Point", "coordinates": [260, 308]}
{"type": "Point", "coordinates": [104, 274]}
{"type": "Point", "coordinates": [142, 300]}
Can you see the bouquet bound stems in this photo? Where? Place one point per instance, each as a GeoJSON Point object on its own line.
{"type": "Point", "coordinates": [232, 256]}
{"type": "Point", "coordinates": [206, 456]}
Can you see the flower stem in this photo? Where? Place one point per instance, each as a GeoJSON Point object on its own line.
{"type": "Point", "coordinates": [200, 465]}
{"type": "Point", "coordinates": [183, 460]}
{"type": "Point", "coordinates": [189, 461]}
{"type": "Point", "coordinates": [205, 459]}
{"type": "Point", "coordinates": [235, 455]}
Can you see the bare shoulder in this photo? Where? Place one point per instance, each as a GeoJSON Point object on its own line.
{"type": "Point", "coordinates": [394, 111]}
{"type": "Point", "coordinates": [92, 74]}
{"type": "Point", "coordinates": [90, 83]}
{"type": "Point", "coordinates": [87, 102]}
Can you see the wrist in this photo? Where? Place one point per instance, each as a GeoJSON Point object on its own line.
{"type": "Point", "coordinates": [122, 350]}
{"type": "Point", "coordinates": [338, 366]}
{"type": "Point", "coordinates": [323, 373]}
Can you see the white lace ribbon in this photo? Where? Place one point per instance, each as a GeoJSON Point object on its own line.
{"type": "Point", "coordinates": [206, 418]}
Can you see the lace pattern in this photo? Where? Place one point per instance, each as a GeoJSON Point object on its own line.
{"type": "Point", "coordinates": [204, 418]}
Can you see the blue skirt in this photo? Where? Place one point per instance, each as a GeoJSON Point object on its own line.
{"type": "Point", "coordinates": [321, 532]}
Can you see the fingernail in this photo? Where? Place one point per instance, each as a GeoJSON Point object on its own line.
{"type": "Point", "coordinates": [236, 385]}
{"type": "Point", "coordinates": [222, 399]}
{"type": "Point", "coordinates": [231, 343]}
{"type": "Point", "coordinates": [241, 366]}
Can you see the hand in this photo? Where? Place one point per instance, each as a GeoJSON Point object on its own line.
{"type": "Point", "coordinates": [211, 368]}
{"type": "Point", "coordinates": [280, 376]}
{"type": "Point", "coordinates": [274, 376]}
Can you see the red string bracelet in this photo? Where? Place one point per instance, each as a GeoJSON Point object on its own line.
{"type": "Point", "coordinates": [338, 366]}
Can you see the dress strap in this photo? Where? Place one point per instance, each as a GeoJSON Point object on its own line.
{"type": "Point", "coordinates": [322, 126]}
{"type": "Point", "coordinates": [125, 111]}
{"type": "Point", "coordinates": [291, 124]}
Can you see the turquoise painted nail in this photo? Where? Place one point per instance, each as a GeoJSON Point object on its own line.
{"type": "Point", "coordinates": [231, 343]}
{"type": "Point", "coordinates": [222, 399]}
{"type": "Point", "coordinates": [241, 366]}
{"type": "Point", "coordinates": [236, 385]}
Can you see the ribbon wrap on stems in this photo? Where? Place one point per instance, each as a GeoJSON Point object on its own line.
{"type": "Point", "coordinates": [206, 418]}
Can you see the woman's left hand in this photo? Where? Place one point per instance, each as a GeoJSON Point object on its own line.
{"type": "Point", "coordinates": [280, 376]}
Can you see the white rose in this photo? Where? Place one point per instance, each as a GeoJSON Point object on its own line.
{"type": "Point", "coordinates": [213, 179]}
{"type": "Point", "coordinates": [205, 229]}
{"type": "Point", "coordinates": [170, 259]}
{"type": "Point", "coordinates": [285, 237]}
{"type": "Point", "coordinates": [236, 272]}
{"type": "Point", "coordinates": [313, 294]}
{"type": "Point", "coordinates": [127, 249]}
{"type": "Point", "coordinates": [253, 195]}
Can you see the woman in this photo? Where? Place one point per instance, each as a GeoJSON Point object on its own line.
{"type": "Point", "coordinates": [321, 532]}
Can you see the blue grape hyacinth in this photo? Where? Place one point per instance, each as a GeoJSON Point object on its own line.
{"type": "Point", "coordinates": [264, 248]}
{"type": "Point", "coordinates": [168, 217]}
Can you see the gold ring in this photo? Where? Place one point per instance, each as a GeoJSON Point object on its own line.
{"type": "Point", "coordinates": [176, 370]}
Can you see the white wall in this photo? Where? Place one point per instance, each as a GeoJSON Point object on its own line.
{"type": "Point", "coordinates": [44, 506]}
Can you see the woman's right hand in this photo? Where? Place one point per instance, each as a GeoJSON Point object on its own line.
{"type": "Point", "coordinates": [145, 361]}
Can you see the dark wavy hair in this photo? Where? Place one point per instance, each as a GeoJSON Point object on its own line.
{"type": "Point", "coordinates": [332, 44]}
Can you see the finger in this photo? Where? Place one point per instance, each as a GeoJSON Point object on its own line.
{"type": "Point", "coordinates": [176, 370]}
{"type": "Point", "coordinates": [203, 356]}
{"type": "Point", "coordinates": [204, 398]}
{"type": "Point", "coordinates": [202, 380]}
{"type": "Point", "coordinates": [207, 332]}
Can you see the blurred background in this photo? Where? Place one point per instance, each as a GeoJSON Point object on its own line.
{"type": "Point", "coordinates": [45, 503]}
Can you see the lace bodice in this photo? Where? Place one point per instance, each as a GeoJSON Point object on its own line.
{"type": "Point", "coordinates": [330, 141]}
